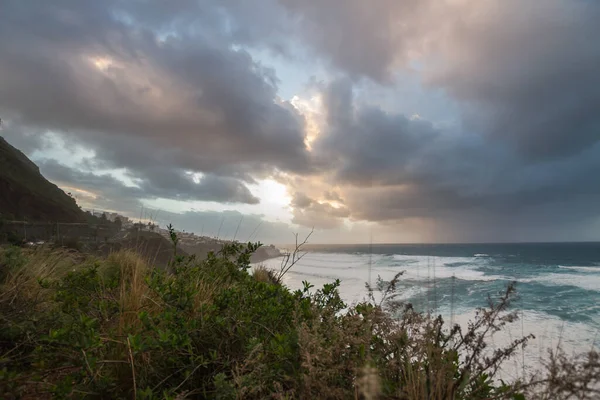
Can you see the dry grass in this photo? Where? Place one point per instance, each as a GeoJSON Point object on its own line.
{"type": "Point", "coordinates": [325, 348]}
{"type": "Point", "coordinates": [133, 289]}
{"type": "Point", "coordinates": [263, 274]}
{"type": "Point", "coordinates": [368, 384]}
{"type": "Point", "coordinates": [25, 269]}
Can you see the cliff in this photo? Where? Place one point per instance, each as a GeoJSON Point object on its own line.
{"type": "Point", "coordinates": [26, 195]}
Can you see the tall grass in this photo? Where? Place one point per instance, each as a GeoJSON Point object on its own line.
{"type": "Point", "coordinates": [78, 327]}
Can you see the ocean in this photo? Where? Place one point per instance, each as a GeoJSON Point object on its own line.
{"type": "Point", "coordinates": [558, 285]}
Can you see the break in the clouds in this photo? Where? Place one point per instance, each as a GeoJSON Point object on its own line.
{"type": "Point", "coordinates": [182, 102]}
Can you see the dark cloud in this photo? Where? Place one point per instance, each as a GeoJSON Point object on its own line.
{"type": "Point", "coordinates": [180, 185]}
{"type": "Point", "coordinates": [358, 37]}
{"type": "Point", "coordinates": [19, 136]}
{"type": "Point", "coordinates": [93, 191]}
{"type": "Point", "coordinates": [145, 90]}
{"type": "Point", "coordinates": [162, 184]}
{"type": "Point", "coordinates": [367, 145]}
{"type": "Point", "coordinates": [527, 73]}
{"type": "Point", "coordinates": [393, 168]}
{"type": "Point", "coordinates": [169, 92]}
{"type": "Point", "coordinates": [300, 200]}
{"type": "Point", "coordinates": [261, 24]}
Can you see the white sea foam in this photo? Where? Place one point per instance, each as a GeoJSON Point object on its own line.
{"type": "Point", "coordinates": [595, 269]}
{"type": "Point", "coordinates": [574, 338]}
{"type": "Point", "coordinates": [352, 267]}
{"type": "Point", "coordinates": [354, 270]}
{"type": "Point", "coordinates": [424, 268]}
{"type": "Point", "coordinates": [584, 281]}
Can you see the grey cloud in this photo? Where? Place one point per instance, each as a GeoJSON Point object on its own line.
{"type": "Point", "coordinates": [322, 217]}
{"type": "Point", "coordinates": [339, 102]}
{"type": "Point", "coordinates": [57, 172]}
{"type": "Point", "coordinates": [332, 195]}
{"type": "Point", "coordinates": [162, 184]}
{"type": "Point", "coordinates": [171, 183]}
{"type": "Point", "coordinates": [26, 140]}
{"type": "Point", "coordinates": [300, 200]}
{"type": "Point", "coordinates": [450, 217]}
{"type": "Point", "coordinates": [552, 190]}
{"type": "Point", "coordinates": [393, 168]}
{"type": "Point", "coordinates": [366, 145]}
{"type": "Point", "coordinates": [358, 37]}
{"type": "Point", "coordinates": [127, 200]}
{"type": "Point", "coordinates": [100, 191]}
{"type": "Point", "coordinates": [526, 73]}
{"type": "Point", "coordinates": [258, 23]}
{"type": "Point", "coordinates": [141, 97]}
{"type": "Point", "coordinates": [163, 90]}
{"type": "Point", "coordinates": [310, 213]}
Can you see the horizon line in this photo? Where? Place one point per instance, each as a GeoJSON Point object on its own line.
{"type": "Point", "coordinates": [443, 243]}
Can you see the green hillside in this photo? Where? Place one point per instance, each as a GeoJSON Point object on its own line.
{"type": "Point", "coordinates": [26, 195]}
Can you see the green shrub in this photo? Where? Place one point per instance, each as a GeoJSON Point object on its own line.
{"type": "Point", "coordinates": [117, 328]}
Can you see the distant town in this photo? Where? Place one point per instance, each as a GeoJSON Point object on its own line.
{"type": "Point", "coordinates": [187, 240]}
{"type": "Point", "coordinates": [126, 223]}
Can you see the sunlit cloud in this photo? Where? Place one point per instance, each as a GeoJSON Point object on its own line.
{"type": "Point", "coordinates": [79, 192]}
{"type": "Point", "coordinates": [101, 63]}
{"type": "Point", "coordinates": [312, 110]}
{"type": "Point", "coordinates": [271, 191]}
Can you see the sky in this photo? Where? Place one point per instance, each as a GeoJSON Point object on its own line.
{"type": "Point", "coordinates": [384, 120]}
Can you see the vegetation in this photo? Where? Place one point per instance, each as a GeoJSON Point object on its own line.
{"type": "Point", "coordinates": [26, 195]}
{"type": "Point", "coordinates": [76, 327]}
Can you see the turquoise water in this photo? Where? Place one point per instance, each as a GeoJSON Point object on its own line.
{"type": "Point", "coordinates": [558, 284]}
{"type": "Point", "coordinates": [559, 279]}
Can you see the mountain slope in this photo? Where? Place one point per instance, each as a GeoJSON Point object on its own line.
{"type": "Point", "coordinates": [26, 195]}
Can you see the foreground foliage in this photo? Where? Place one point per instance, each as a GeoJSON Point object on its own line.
{"type": "Point", "coordinates": [75, 327]}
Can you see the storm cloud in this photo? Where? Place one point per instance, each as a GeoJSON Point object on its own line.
{"type": "Point", "coordinates": [390, 167]}
{"type": "Point", "coordinates": [184, 100]}
{"type": "Point", "coordinates": [142, 97]}
{"type": "Point", "coordinates": [527, 74]}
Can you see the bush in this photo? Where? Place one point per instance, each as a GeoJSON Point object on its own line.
{"type": "Point", "coordinates": [262, 274]}
{"type": "Point", "coordinates": [117, 328]}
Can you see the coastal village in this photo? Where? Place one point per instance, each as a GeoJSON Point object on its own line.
{"type": "Point", "coordinates": [188, 240]}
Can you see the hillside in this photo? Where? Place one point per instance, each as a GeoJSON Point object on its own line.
{"type": "Point", "coordinates": [26, 195]}
{"type": "Point", "coordinates": [201, 250]}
